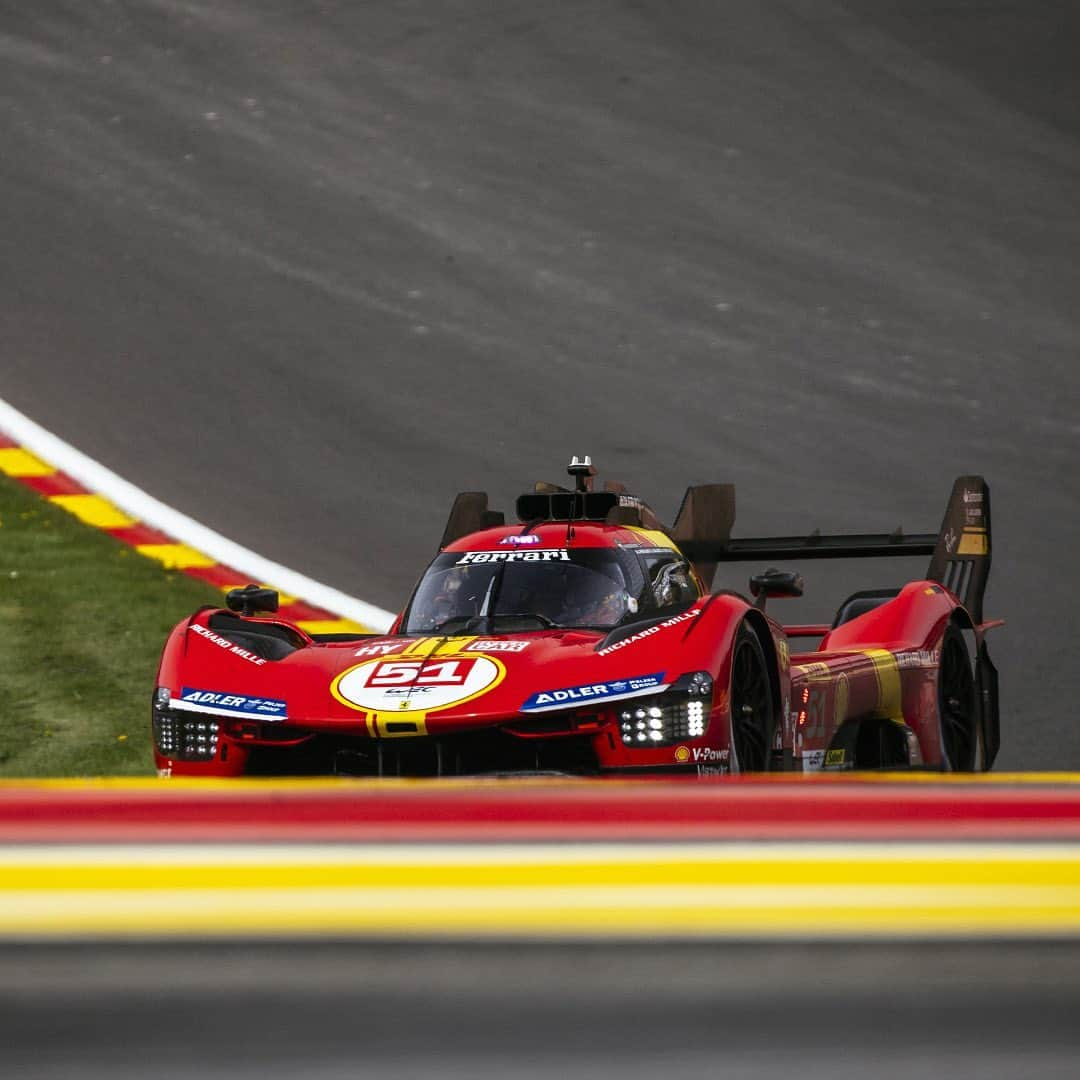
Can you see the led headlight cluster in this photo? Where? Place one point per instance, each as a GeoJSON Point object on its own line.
{"type": "Point", "coordinates": [183, 736]}
{"type": "Point", "coordinates": [681, 712]}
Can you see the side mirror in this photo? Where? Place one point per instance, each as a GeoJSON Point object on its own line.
{"type": "Point", "coordinates": [252, 599]}
{"type": "Point", "coordinates": [775, 583]}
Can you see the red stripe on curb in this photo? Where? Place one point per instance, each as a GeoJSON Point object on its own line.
{"type": "Point", "coordinates": [300, 611]}
{"type": "Point", "coordinates": [55, 484]}
{"type": "Point", "coordinates": [133, 535]}
{"type": "Point", "coordinates": [219, 576]}
{"type": "Point", "coordinates": [743, 809]}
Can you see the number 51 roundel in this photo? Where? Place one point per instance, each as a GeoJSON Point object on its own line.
{"type": "Point", "coordinates": [422, 685]}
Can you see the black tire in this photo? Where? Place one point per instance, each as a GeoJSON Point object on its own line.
{"type": "Point", "coordinates": [753, 717]}
{"type": "Point", "coordinates": [957, 704]}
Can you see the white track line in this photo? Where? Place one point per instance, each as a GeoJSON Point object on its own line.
{"type": "Point", "coordinates": [95, 476]}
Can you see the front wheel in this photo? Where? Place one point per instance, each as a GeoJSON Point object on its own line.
{"type": "Point", "coordinates": [753, 718]}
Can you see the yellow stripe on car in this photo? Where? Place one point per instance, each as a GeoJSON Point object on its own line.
{"type": "Point", "coordinates": [887, 672]}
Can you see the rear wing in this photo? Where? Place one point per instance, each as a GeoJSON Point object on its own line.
{"type": "Point", "coordinates": [960, 550]}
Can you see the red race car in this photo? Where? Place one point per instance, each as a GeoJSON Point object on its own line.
{"type": "Point", "coordinates": [585, 640]}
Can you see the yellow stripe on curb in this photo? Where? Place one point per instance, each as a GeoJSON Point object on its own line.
{"type": "Point", "coordinates": [94, 510]}
{"type": "Point", "coordinates": [552, 891]}
{"type": "Point", "coordinates": [175, 556]}
{"type": "Point", "coordinates": [243, 786]}
{"type": "Point", "coordinates": [15, 461]}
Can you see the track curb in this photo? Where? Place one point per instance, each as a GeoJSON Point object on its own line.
{"type": "Point", "coordinates": [100, 499]}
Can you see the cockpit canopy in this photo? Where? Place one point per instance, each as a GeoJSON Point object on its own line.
{"type": "Point", "coordinates": [525, 587]}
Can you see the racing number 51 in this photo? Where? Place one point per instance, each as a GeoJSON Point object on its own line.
{"type": "Point", "coordinates": [403, 672]}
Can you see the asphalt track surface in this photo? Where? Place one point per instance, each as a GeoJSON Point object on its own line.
{"type": "Point", "coordinates": [304, 270]}
{"type": "Point", "coordinates": [680, 1011]}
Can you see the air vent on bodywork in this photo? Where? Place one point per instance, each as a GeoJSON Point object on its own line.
{"type": "Point", "coordinates": [566, 505]}
{"type": "Point", "coordinates": [271, 641]}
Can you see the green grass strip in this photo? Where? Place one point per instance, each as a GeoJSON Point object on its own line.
{"type": "Point", "coordinates": [82, 622]}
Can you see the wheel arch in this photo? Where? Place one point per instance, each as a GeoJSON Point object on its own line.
{"type": "Point", "coordinates": [757, 623]}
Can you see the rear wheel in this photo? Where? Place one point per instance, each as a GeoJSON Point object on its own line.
{"type": "Point", "coordinates": [957, 704]}
{"type": "Point", "coordinates": [752, 714]}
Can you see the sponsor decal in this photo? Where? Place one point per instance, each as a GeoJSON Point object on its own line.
{"type": "Point", "coordinates": [232, 704]}
{"type": "Point", "coordinates": [551, 555]}
{"type": "Point", "coordinates": [422, 685]}
{"type": "Point", "coordinates": [382, 648]}
{"type": "Point", "coordinates": [711, 770]}
{"type": "Point", "coordinates": [973, 497]}
{"type": "Point", "coordinates": [835, 757]}
{"type": "Point", "coordinates": [973, 542]}
{"type": "Point", "coordinates": [486, 645]}
{"type": "Point", "coordinates": [918, 658]}
{"type": "Point", "coordinates": [973, 516]}
{"type": "Point", "coordinates": [597, 691]}
{"type": "Point", "coordinates": [708, 753]}
{"type": "Point", "coordinates": [950, 541]}
{"type": "Point", "coordinates": [812, 760]}
{"type": "Point", "coordinates": [526, 540]}
{"type": "Point", "coordinates": [682, 754]}
{"type": "Point", "coordinates": [641, 635]}
{"type": "Point", "coordinates": [225, 643]}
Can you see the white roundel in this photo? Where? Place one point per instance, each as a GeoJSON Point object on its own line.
{"type": "Point", "coordinates": [422, 685]}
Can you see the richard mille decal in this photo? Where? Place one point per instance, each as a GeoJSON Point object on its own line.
{"type": "Point", "coordinates": [641, 635]}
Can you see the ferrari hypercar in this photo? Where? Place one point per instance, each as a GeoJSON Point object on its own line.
{"type": "Point", "coordinates": [586, 638]}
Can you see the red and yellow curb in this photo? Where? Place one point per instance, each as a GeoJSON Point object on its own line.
{"type": "Point", "coordinates": [22, 464]}
{"type": "Point", "coordinates": [804, 891]}
{"type": "Point", "coordinates": [756, 858]}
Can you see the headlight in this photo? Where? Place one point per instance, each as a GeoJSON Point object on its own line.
{"type": "Point", "coordinates": [183, 736]}
{"type": "Point", "coordinates": [680, 713]}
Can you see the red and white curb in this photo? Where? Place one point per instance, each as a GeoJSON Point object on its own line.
{"type": "Point", "coordinates": [100, 498]}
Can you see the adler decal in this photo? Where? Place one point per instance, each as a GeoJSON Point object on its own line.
{"type": "Point", "coordinates": [615, 689]}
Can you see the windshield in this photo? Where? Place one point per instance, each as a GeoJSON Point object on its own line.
{"type": "Point", "coordinates": [489, 591]}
